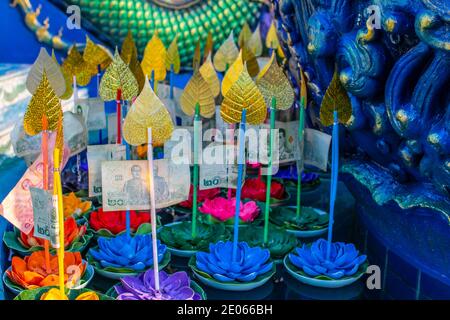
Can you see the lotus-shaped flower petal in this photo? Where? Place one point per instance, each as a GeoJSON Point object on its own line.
{"type": "Point", "coordinates": [124, 251]}
{"type": "Point", "coordinates": [176, 286]}
{"type": "Point", "coordinates": [344, 259]}
{"type": "Point", "coordinates": [55, 294]}
{"type": "Point", "coordinates": [224, 209]}
{"type": "Point", "coordinates": [255, 189]}
{"type": "Point", "coordinates": [202, 195]}
{"type": "Point", "coordinates": [249, 263]}
{"type": "Point", "coordinates": [30, 272]}
{"type": "Point", "coordinates": [72, 233]}
{"type": "Point", "coordinates": [74, 205]}
{"type": "Point", "coordinates": [115, 221]}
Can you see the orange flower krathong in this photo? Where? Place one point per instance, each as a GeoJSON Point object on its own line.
{"type": "Point", "coordinates": [74, 205]}
{"type": "Point", "coordinates": [30, 272]}
{"type": "Point", "coordinates": [72, 232]}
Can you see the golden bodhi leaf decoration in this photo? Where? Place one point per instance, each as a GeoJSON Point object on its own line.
{"type": "Point", "coordinates": [255, 43]}
{"type": "Point", "coordinates": [243, 94]}
{"type": "Point", "coordinates": [75, 65]}
{"type": "Point", "coordinates": [250, 60]}
{"type": "Point", "coordinates": [244, 35]}
{"type": "Point", "coordinates": [60, 138]}
{"type": "Point", "coordinates": [209, 74]}
{"type": "Point", "coordinates": [303, 90]}
{"type": "Point", "coordinates": [197, 57]}
{"type": "Point", "coordinates": [118, 76]}
{"type": "Point", "coordinates": [208, 46]}
{"type": "Point", "coordinates": [198, 91]}
{"type": "Point", "coordinates": [173, 56]}
{"type": "Point", "coordinates": [226, 54]}
{"type": "Point", "coordinates": [96, 54]}
{"type": "Point", "coordinates": [155, 58]}
{"type": "Point", "coordinates": [147, 111]}
{"type": "Point", "coordinates": [335, 98]}
{"type": "Point", "coordinates": [272, 38]}
{"type": "Point", "coordinates": [232, 74]}
{"type": "Point", "coordinates": [129, 55]}
{"type": "Point", "coordinates": [68, 81]}
{"type": "Point", "coordinates": [44, 102]}
{"type": "Point", "coordinates": [44, 63]}
{"type": "Point", "coordinates": [273, 83]}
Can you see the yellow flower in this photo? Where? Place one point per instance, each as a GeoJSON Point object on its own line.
{"type": "Point", "coordinates": [90, 295]}
{"type": "Point", "coordinates": [74, 205]}
{"type": "Point", "coordinates": [54, 294]}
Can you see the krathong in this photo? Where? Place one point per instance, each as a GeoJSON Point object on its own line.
{"type": "Point", "coordinates": [125, 253]}
{"type": "Point", "coordinates": [179, 235]}
{"type": "Point", "coordinates": [114, 222]}
{"type": "Point", "coordinates": [55, 294]}
{"type": "Point", "coordinates": [30, 272]}
{"type": "Point", "coordinates": [202, 195]}
{"type": "Point", "coordinates": [76, 238]}
{"type": "Point", "coordinates": [175, 286]}
{"type": "Point", "coordinates": [309, 219]}
{"type": "Point", "coordinates": [249, 264]}
{"type": "Point", "coordinates": [223, 209]}
{"type": "Point", "coordinates": [74, 205]}
{"type": "Point", "coordinates": [344, 260]}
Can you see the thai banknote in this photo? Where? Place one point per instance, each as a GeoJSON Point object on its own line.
{"type": "Point", "coordinates": [125, 184]}
{"type": "Point", "coordinates": [96, 154]}
{"type": "Point", "coordinates": [112, 128]}
{"type": "Point", "coordinates": [75, 132]}
{"type": "Point", "coordinates": [96, 118]}
{"type": "Point", "coordinates": [316, 148]}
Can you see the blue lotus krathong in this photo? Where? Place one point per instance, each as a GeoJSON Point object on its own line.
{"type": "Point", "coordinates": [250, 262]}
{"type": "Point", "coordinates": [124, 251]}
{"type": "Point", "coordinates": [344, 259]}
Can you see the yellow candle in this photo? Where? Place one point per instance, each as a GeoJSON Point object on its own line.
{"type": "Point", "coordinates": [57, 191]}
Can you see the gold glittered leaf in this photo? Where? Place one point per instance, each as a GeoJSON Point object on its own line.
{"type": "Point", "coordinates": [60, 138]}
{"type": "Point", "coordinates": [209, 74]}
{"type": "Point", "coordinates": [44, 63]}
{"type": "Point", "coordinates": [198, 91]}
{"type": "Point", "coordinates": [273, 83]}
{"type": "Point", "coordinates": [232, 74]}
{"type": "Point", "coordinates": [155, 58]}
{"type": "Point", "coordinates": [197, 57]}
{"type": "Point", "coordinates": [147, 111]}
{"type": "Point", "coordinates": [335, 98]}
{"type": "Point", "coordinates": [118, 76]}
{"type": "Point", "coordinates": [96, 55]}
{"type": "Point", "coordinates": [250, 60]}
{"type": "Point", "coordinates": [136, 69]}
{"type": "Point", "coordinates": [243, 94]}
{"type": "Point", "coordinates": [255, 42]}
{"type": "Point", "coordinates": [44, 102]}
{"type": "Point", "coordinates": [208, 46]}
{"type": "Point", "coordinates": [173, 56]}
{"type": "Point", "coordinates": [128, 48]}
{"type": "Point", "coordinates": [303, 90]}
{"type": "Point", "coordinates": [244, 35]}
{"type": "Point", "coordinates": [226, 54]}
{"type": "Point", "coordinates": [272, 37]}
{"type": "Point", "coordinates": [76, 66]}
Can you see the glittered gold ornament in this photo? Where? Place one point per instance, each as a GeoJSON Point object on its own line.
{"type": "Point", "coordinates": [335, 98]}
{"type": "Point", "coordinates": [208, 46]}
{"type": "Point", "coordinates": [173, 56]}
{"type": "Point", "coordinates": [75, 65]}
{"type": "Point", "coordinates": [209, 74]}
{"type": "Point", "coordinates": [232, 74]}
{"type": "Point", "coordinates": [197, 57]}
{"type": "Point", "coordinates": [129, 55]}
{"type": "Point", "coordinates": [272, 37]}
{"type": "Point", "coordinates": [44, 63]}
{"type": "Point", "coordinates": [244, 35]}
{"type": "Point", "coordinates": [243, 94]}
{"type": "Point", "coordinates": [250, 60]}
{"type": "Point", "coordinates": [96, 54]}
{"type": "Point", "coordinates": [118, 76]}
{"type": "Point", "coordinates": [198, 91]}
{"type": "Point", "coordinates": [147, 111]}
{"type": "Point", "coordinates": [155, 58]}
{"type": "Point", "coordinates": [255, 42]}
{"type": "Point", "coordinates": [273, 83]}
{"type": "Point", "coordinates": [44, 102]}
{"type": "Point", "coordinates": [226, 54]}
